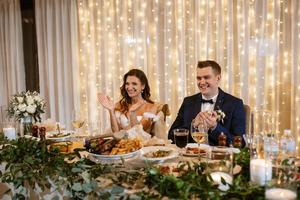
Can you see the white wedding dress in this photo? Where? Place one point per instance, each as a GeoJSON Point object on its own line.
{"type": "Point", "coordinates": [158, 128]}
{"type": "Point", "coordinates": [124, 121]}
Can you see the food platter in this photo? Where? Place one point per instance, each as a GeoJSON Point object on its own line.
{"type": "Point", "coordinates": [112, 150]}
{"type": "Point", "coordinates": [61, 136]}
{"type": "Point", "coordinates": [158, 153]}
{"type": "Point", "coordinates": [107, 158]}
{"type": "Point", "coordinates": [192, 150]}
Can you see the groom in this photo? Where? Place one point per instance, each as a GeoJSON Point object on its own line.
{"type": "Point", "coordinates": [202, 107]}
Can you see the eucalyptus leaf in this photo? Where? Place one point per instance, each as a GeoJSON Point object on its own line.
{"type": "Point", "coordinates": [86, 176]}
{"type": "Point", "coordinates": [76, 170]}
{"type": "Point", "coordinates": [87, 187]}
{"type": "Point", "coordinates": [153, 171]}
{"type": "Point", "coordinates": [77, 187]}
{"type": "Point", "coordinates": [55, 198]}
{"type": "Point", "coordinates": [117, 189]}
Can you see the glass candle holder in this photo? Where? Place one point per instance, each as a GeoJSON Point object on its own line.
{"type": "Point", "coordinates": [264, 148]}
{"type": "Point", "coordinates": [220, 167]}
{"type": "Point", "coordinates": [9, 130]}
{"type": "Point", "coordinates": [260, 171]}
{"type": "Point", "coordinates": [283, 183]}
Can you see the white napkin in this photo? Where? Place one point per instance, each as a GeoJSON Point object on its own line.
{"type": "Point", "coordinates": [152, 116]}
{"type": "Point", "coordinates": [155, 141]}
{"type": "Point", "coordinates": [138, 132]}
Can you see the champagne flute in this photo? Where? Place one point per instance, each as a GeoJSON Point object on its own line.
{"type": "Point", "coordinates": [77, 121]}
{"type": "Point", "coordinates": [199, 134]}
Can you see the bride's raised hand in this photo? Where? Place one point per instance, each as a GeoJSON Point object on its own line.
{"type": "Point", "coordinates": [106, 101]}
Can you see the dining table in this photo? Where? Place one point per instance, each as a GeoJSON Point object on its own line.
{"type": "Point", "coordinates": [30, 169]}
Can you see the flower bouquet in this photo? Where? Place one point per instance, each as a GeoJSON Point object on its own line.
{"type": "Point", "coordinates": [220, 115]}
{"type": "Point", "coordinates": [26, 104]}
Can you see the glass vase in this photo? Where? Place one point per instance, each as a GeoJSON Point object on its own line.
{"type": "Point", "coordinates": [26, 126]}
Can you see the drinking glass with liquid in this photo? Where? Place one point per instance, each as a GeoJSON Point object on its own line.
{"type": "Point", "coordinates": [77, 121]}
{"type": "Point", "coordinates": [181, 137]}
{"type": "Point", "coordinates": [199, 133]}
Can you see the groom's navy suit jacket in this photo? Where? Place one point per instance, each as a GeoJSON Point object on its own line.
{"type": "Point", "coordinates": [233, 124]}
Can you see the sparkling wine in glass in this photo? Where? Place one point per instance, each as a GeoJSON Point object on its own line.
{"type": "Point", "coordinates": [77, 121]}
{"type": "Point", "coordinates": [199, 134]}
{"type": "Point", "coordinates": [181, 137]}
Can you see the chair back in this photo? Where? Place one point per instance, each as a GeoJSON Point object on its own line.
{"type": "Point", "coordinates": [164, 108]}
{"type": "Point", "coordinates": [159, 127]}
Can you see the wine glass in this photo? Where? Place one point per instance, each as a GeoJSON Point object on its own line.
{"type": "Point", "coordinates": [77, 121]}
{"type": "Point", "coordinates": [181, 137]}
{"type": "Point", "coordinates": [199, 133]}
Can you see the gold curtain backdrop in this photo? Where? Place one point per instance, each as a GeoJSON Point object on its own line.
{"type": "Point", "coordinates": [256, 43]}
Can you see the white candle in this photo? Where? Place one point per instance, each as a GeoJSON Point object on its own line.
{"type": "Point", "coordinates": [280, 194]}
{"type": "Point", "coordinates": [260, 171]}
{"type": "Point", "coordinates": [10, 133]}
{"type": "Point", "coordinates": [216, 176]}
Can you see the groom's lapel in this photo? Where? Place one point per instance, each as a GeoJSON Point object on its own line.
{"type": "Point", "coordinates": [220, 99]}
{"type": "Point", "coordinates": [197, 104]}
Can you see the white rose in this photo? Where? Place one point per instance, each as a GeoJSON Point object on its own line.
{"type": "Point", "coordinates": [20, 99]}
{"type": "Point", "coordinates": [25, 114]}
{"type": "Point", "coordinates": [31, 109]}
{"type": "Point", "coordinates": [29, 100]}
{"type": "Point", "coordinates": [37, 98]}
{"type": "Point", "coordinates": [22, 107]}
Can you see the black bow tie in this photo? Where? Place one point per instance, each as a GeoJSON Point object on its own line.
{"type": "Point", "coordinates": [207, 101]}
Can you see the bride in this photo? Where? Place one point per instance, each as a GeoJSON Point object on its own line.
{"type": "Point", "coordinates": [135, 106]}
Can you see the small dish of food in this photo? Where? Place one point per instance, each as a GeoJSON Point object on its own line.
{"type": "Point", "coordinates": [59, 136]}
{"type": "Point", "coordinates": [192, 149]}
{"type": "Point", "coordinates": [158, 153]}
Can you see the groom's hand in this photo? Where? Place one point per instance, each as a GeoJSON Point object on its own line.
{"type": "Point", "coordinates": [209, 118]}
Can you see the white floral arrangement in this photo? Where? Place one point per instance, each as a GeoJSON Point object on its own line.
{"type": "Point", "coordinates": [26, 104]}
{"type": "Point", "coordinates": [220, 115]}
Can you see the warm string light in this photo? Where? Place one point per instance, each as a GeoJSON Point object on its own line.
{"type": "Point", "coordinates": [180, 71]}
{"type": "Point", "coordinates": [224, 21]}
{"type": "Point", "coordinates": [241, 40]}
{"type": "Point", "coordinates": [248, 42]}
{"type": "Point", "coordinates": [153, 46]}
{"type": "Point", "coordinates": [297, 98]}
{"type": "Point", "coordinates": [83, 21]}
{"type": "Point", "coordinates": [189, 44]}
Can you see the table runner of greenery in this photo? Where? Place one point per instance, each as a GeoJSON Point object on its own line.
{"type": "Point", "coordinates": [30, 164]}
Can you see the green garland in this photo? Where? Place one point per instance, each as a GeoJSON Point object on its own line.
{"type": "Point", "coordinates": [30, 163]}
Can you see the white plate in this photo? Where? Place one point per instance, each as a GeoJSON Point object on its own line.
{"type": "Point", "coordinates": [99, 158]}
{"type": "Point", "coordinates": [194, 145]}
{"type": "Point", "coordinates": [51, 135]}
{"type": "Point", "coordinates": [228, 149]}
{"type": "Point", "coordinates": [32, 138]}
{"type": "Point", "coordinates": [145, 150]}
